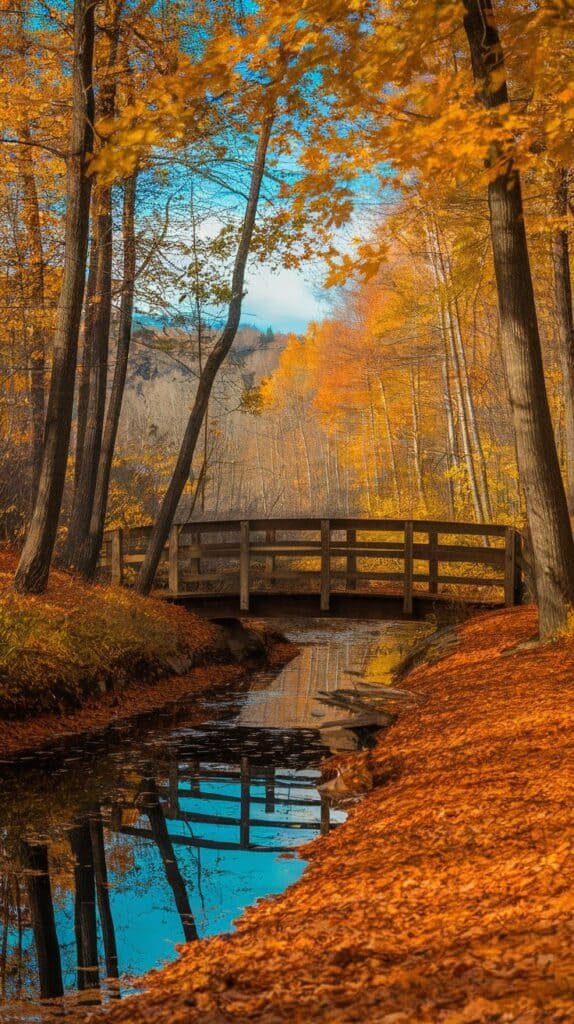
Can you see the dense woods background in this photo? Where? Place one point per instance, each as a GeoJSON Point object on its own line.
{"type": "Point", "coordinates": [150, 151]}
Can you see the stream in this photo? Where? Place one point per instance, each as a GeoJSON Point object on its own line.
{"type": "Point", "coordinates": [115, 849]}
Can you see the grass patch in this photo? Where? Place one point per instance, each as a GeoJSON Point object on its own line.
{"type": "Point", "coordinates": [77, 640]}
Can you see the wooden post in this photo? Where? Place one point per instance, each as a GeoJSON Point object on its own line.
{"type": "Point", "coordinates": [325, 816]}
{"type": "Point", "coordinates": [518, 568]}
{"type": "Point", "coordinates": [194, 777]}
{"type": "Point", "coordinates": [173, 801]}
{"type": "Point", "coordinates": [433, 562]}
{"type": "Point", "coordinates": [270, 790]}
{"type": "Point", "coordinates": [195, 563]}
{"type": "Point", "coordinates": [173, 561]}
{"type": "Point", "coordinates": [117, 556]}
{"type": "Point", "coordinates": [325, 564]}
{"type": "Point", "coordinates": [244, 566]}
{"type": "Point", "coordinates": [510, 568]}
{"type": "Point", "coordinates": [116, 817]}
{"type": "Point", "coordinates": [351, 561]}
{"type": "Point", "coordinates": [270, 537]}
{"type": "Point", "coordinates": [245, 776]}
{"type": "Point", "coordinates": [408, 582]}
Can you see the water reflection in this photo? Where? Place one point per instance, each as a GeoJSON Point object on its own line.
{"type": "Point", "coordinates": [115, 850]}
{"type": "Point", "coordinates": [101, 887]}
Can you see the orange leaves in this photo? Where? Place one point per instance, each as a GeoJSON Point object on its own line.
{"type": "Point", "coordinates": [446, 896]}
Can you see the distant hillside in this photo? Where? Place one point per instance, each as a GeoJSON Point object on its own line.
{"type": "Point", "coordinates": [163, 369]}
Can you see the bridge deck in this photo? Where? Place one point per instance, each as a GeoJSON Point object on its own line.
{"type": "Point", "coordinates": [349, 605]}
{"type": "Point", "coordinates": [371, 568]}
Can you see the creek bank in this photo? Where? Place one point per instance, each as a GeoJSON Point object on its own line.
{"type": "Point", "coordinates": [447, 895]}
{"type": "Point", "coordinates": [82, 657]}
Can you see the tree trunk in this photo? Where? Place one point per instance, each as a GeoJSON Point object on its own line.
{"type": "Point", "coordinates": [449, 333]}
{"type": "Point", "coordinates": [35, 295]}
{"type": "Point", "coordinates": [565, 317]}
{"type": "Point", "coordinates": [415, 385]}
{"type": "Point", "coordinates": [392, 455]}
{"type": "Point", "coordinates": [91, 549]}
{"type": "Point", "coordinates": [85, 907]}
{"type": "Point", "coordinates": [85, 352]}
{"type": "Point", "coordinates": [452, 448]}
{"type": "Point", "coordinates": [103, 896]}
{"type": "Point", "coordinates": [96, 342]}
{"type": "Point", "coordinates": [34, 290]}
{"type": "Point", "coordinates": [210, 369]}
{"type": "Point", "coordinates": [96, 331]}
{"type": "Point", "coordinates": [34, 566]}
{"type": "Point", "coordinates": [538, 465]}
{"type": "Point", "coordinates": [149, 802]}
{"type": "Point", "coordinates": [34, 860]}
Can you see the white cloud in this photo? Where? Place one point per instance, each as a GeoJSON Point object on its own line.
{"type": "Point", "coordinates": [284, 300]}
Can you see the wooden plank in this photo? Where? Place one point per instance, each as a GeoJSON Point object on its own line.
{"type": "Point", "coordinates": [116, 557]}
{"type": "Point", "coordinates": [325, 564]}
{"type": "Point", "coordinates": [351, 560]}
{"type": "Point", "coordinates": [173, 563]}
{"type": "Point", "coordinates": [469, 581]}
{"type": "Point", "coordinates": [408, 584]}
{"type": "Point", "coordinates": [287, 525]}
{"type": "Point", "coordinates": [369, 525]}
{"type": "Point", "coordinates": [422, 552]}
{"type": "Point", "coordinates": [420, 526]}
{"type": "Point", "coordinates": [244, 567]}
{"type": "Point", "coordinates": [307, 550]}
{"type": "Point", "coordinates": [433, 562]}
{"type": "Point", "coordinates": [206, 577]}
{"type": "Point", "coordinates": [200, 844]}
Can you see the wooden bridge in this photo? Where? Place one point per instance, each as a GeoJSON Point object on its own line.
{"type": "Point", "coordinates": [372, 568]}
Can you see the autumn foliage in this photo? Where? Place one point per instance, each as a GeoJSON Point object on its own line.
{"type": "Point", "coordinates": [446, 897]}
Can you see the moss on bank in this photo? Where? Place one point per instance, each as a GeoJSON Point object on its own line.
{"type": "Point", "coordinates": [79, 641]}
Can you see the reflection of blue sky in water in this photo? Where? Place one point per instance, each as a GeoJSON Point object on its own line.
{"type": "Point", "coordinates": [271, 729]}
{"type": "Point", "coordinates": [220, 883]}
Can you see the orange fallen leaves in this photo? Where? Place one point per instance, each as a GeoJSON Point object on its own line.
{"type": "Point", "coordinates": [135, 694]}
{"type": "Point", "coordinates": [446, 897]}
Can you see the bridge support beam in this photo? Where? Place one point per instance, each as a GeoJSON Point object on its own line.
{"type": "Point", "coordinates": [325, 564]}
{"type": "Point", "coordinates": [244, 566]}
{"type": "Point", "coordinates": [409, 569]}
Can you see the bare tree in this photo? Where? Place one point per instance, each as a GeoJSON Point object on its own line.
{"type": "Point", "coordinates": [210, 369]}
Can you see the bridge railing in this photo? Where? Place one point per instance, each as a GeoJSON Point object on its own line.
{"type": "Point", "coordinates": [327, 555]}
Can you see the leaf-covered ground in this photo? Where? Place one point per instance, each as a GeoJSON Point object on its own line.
{"type": "Point", "coordinates": [447, 896]}
{"type": "Point", "coordinates": [82, 656]}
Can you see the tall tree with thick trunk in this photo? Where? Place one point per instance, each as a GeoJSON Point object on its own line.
{"type": "Point", "coordinates": [33, 275]}
{"type": "Point", "coordinates": [88, 557]}
{"type": "Point", "coordinates": [210, 368]}
{"type": "Point", "coordinates": [34, 566]}
{"type": "Point", "coordinates": [539, 468]}
{"type": "Point", "coordinates": [96, 324]}
{"type": "Point", "coordinates": [565, 318]}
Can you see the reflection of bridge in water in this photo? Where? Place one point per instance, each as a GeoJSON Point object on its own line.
{"type": "Point", "coordinates": [238, 790]}
{"type": "Point", "coordinates": [356, 568]}
{"type": "Point", "coordinates": [252, 782]}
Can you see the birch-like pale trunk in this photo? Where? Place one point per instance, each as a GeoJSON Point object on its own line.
{"type": "Point", "coordinates": [211, 368]}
